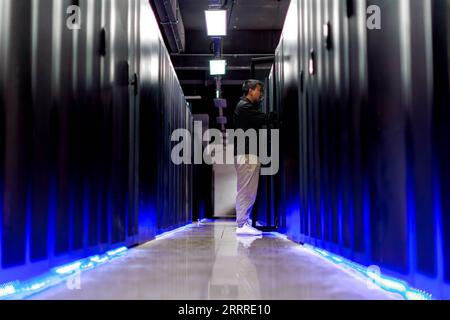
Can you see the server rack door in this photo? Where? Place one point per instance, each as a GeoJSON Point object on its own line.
{"type": "Point", "coordinates": [16, 123]}
{"type": "Point", "coordinates": [441, 127]}
{"type": "Point", "coordinates": [289, 141]}
{"type": "Point", "coordinates": [358, 123]}
{"type": "Point", "coordinates": [388, 208]}
{"type": "Point", "coordinates": [116, 102]}
{"type": "Point", "coordinates": [135, 82]}
{"type": "Point", "coordinates": [149, 121]}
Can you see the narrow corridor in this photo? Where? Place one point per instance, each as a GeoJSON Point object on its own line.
{"type": "Point", "coordinates": [208, 261]}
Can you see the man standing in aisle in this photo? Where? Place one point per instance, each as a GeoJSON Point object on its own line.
{"type": "Point", "coordinates": [248, 116]}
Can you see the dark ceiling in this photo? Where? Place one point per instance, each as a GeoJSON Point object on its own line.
{"type": "Point", "coordinates": [246, 15]}
{"type": "Point", "coordinates": [253, 31]}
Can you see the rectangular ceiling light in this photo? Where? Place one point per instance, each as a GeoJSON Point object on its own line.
{"type": "Point", "coordinates": [216, 22]}
{"type": "Point", "coordinates": [217, 67]}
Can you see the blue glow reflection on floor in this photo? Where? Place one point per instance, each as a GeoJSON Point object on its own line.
{"type": "Point", "coordinates": [374, 276]}
{"type": "Point", "coordinates": [371, 274]}
{"type": "Point", "coordinates": [23, 289]}
{"type": "Point", "coordinates": [172, 232]}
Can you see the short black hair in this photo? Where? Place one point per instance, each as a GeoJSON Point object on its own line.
{"type": "Point", "coordinates": [251, 84]}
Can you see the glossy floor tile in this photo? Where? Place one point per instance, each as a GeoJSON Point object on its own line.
{"type": "Point", "coordinates": [208, 261]}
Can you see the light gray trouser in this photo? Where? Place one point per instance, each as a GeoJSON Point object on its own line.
{"type": "Point", "coordinates": [247, 169]}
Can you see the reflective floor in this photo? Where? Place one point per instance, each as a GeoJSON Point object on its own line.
{"type": "Point", "coordinates": [208, 261]}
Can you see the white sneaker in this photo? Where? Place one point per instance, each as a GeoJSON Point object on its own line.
{"type": "Point", "coordinates": [248, 230]}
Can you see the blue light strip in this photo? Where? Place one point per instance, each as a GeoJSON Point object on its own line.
{"type": "Point", "coordinates": [277, 234]}
{"type": "Point", "coordinates": [20, 290]}
{"type": "Point", "coordinates": [386, 283]}
{"type": "Point", "coordinates": [383, 282]}
{"type": "Point", "coordinates": [172, 232]}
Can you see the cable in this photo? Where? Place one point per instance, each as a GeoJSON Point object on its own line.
{"type": "Point", "coordinates": [231, 12]}
{"type": "Point", "coordinates": [177, 11]}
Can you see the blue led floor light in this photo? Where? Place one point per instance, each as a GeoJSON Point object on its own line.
{"type": "Point", "coordinates": [20, 290]}
{"type": "Point", "coordinates": [375, 277]}
{"type": "Point", "coordinates": [171, 232]}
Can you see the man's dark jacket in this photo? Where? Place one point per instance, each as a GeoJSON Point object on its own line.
{"type": "Point", "coordinates": [248, 116]}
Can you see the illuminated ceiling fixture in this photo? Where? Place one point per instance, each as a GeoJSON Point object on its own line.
{"type": "Point", "coordinates": [216, 22]}
{"type": "Point", "coordinates": [217, 67]}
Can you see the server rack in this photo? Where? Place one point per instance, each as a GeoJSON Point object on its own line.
{"type": "Point", "coordinates": [366, 116]}
{"type": "Point", "coordinates": [86, 116]}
